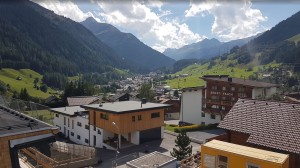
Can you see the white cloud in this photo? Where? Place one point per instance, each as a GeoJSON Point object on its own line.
{"type": "Point", "coordinates": [232, 20]}
{"type": "Point", "coordinates": [65, 8]}
{"type": "Point", "coordinates": [147, 25]}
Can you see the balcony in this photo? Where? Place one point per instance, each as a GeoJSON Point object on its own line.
{"type": "Point", "coordinates": [218, 102]}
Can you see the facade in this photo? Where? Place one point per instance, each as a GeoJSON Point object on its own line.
{"type": "Point", "coordinates": [191, 111]}
{"type": "Point", "coordinates": [111, 125]}
{"type": "Point", "coordinates": [222, 92]}
{"type": "Point", "coordinates": [73, 122]}
{"type": "Point", "coordinates": [131, 122]}
{"type": "Point", "coordinates": [224, 155]}
{"type": "Point", "coordinates": [268, 125]}
{"type": "Point", "coordinates": [171, 113]}
{"type": "Point", "coordinates": [154, 159]}
{"type": "Point", "coordinates": [19, 131]}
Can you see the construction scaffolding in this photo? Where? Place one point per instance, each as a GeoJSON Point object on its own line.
{"type": "Point", "coordinates": [63, 155]}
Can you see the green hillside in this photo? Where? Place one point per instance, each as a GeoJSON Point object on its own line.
{"type": "Point", "coordinates": [221, 67]}
{"type": "Point", "coordinates": [27, 76]}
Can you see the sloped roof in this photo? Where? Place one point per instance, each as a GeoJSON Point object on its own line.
{"type": "Point", "coordinates": [246, 82]}
{"type": "Point", "coordinates": [81, 100]}
{"type": "Point", "coordinates": [270, 124]}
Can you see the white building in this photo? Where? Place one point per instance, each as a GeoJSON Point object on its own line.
{"type": "Point", "coordinates": [191, 108]}
{"type": "Point", "coordinates": [73, 122]}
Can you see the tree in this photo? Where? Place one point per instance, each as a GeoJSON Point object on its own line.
{"type": "Point", "coordinates": [24, 95]}
{"type": "Point", "coordinates": [146, 92]}
{"type": "Point", "coordinates": [44, 88]}
{"type": "Point", "coordinates": [184, 148]}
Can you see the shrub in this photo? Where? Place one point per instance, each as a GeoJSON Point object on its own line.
{"type": "Point", "coordinates": [173, 125]}
{"type": "Point", "coordinates": [195, 128]}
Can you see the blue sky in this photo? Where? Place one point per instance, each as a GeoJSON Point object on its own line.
{"type": "Point", "coordinates": [173, 24]}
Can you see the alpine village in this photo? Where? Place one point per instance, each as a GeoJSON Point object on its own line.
{"type": "Point", "coordinates": [85, 94]}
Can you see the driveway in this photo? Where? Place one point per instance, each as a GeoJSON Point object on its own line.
{"type": "Point", "coordinates": [205, 134]}
{"type": "Point", "coordinates": [164, 146]}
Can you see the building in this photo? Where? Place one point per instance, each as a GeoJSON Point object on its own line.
{"type": "Point", "coordinates": [19, 131]}
{"type": "Point", "coordinates": [127, 121]}
{"type": "Point", "coordinates": [171, 113]}
{"type": "Point", "coordinates": [191, 111]}
{"type": "Point", "coordinates": [154, 159]}
{"type": "Point", "coordinates": [210, 103]}
{"type": "Point", "coordinates": [268, 125]}
{"type": "Point", "coordinates": [224, 155]}
{"type": "Point", "coordinates": [222, 91]}
{"type": "Point", "coordinates": [83, 100]}
{"type": "Point", "coordinates": [111, 125]}
{"type": "Point", "coordinates": [73, 122]}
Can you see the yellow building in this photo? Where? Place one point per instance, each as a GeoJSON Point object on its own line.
{"type": "Point", "coordinates": [219, 154]}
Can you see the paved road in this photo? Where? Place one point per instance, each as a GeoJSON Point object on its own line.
{"type": "Point", "coordinates": [164, 146]}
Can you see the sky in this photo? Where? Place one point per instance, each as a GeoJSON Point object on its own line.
{"type": "Point", "coordinates": [173, 23]}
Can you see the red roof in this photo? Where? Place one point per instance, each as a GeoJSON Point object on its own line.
{"type": "Point", "coordinates": [271, 124]}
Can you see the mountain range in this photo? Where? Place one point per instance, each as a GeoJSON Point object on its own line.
{"type": "Point", "coordinates": [128, 46]}
{"type": "Point", "coordinates": [205, 49]}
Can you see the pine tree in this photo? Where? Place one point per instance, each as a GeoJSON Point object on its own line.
{"type": "Point", "coordinates": [184, 148]}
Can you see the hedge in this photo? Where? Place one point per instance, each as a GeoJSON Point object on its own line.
{"type": "Point", "coordinates": [195, 128]}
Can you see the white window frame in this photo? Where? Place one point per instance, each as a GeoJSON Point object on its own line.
{"type": "Point", "coordinates": [251, 164]}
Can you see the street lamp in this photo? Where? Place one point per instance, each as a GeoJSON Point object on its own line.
{"type": "Point", "coordinates": [117, 152]}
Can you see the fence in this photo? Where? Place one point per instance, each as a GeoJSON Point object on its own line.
{"type": "Point", "coordinates": [35, 110]}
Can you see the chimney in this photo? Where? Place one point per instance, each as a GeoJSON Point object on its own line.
{"type": "Point", "coordinates": [144, 101]}
{"type": "Point", "coordinates": [229, 79]}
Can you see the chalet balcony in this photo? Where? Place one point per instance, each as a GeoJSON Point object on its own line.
{"type": "Point", "coordinates": [218, 102]}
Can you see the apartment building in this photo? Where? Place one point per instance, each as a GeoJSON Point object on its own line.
{"type": "Point", "coordinates": [112, 125]}
{"type": "Point", "coordinates": [210, 103]}
{"type": "Point", "coordinates": [267, 125]}
{"type": "Point", "coordinates": [222, 92]}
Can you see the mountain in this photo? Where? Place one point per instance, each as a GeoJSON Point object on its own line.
{"type": "Point", "coordinates": [128, 46]}
{"type": "Point", "coordinates": [204, 49]}
{"type": "Point", "coordinates": [36, 38]}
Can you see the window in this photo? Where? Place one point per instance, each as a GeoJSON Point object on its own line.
{"type": "Point", "coordinates": [72, 124]}
{"type": "Point", "coordinates": [223, 98]}
{"type": "Point", "coordinates": [202, 114]}
{"type": "Point", "coordinates": [72, 133]}
{"type": "Point", "coordinates": [104, 116]}
{"type": "Point", "coordinates": [233, 89]}
{"type": "Point", "coordinates": [242, 95]}
{"type": "Point", "coordinates": [202, 123]}
{"type": "Point", "coordinates": [87, 127]}
{"type": "Point", "coordinates": [233, 99]}
{"type": "Point", "coordinates": [64, 120]}
{"type": "Point", "coordinates": [139, 117]}
{"type": "Point", "coordinates": [155, 115]}
{"type": "Point", "coordinates": [215, 106]}
{"type": "Point", "coordinates": [209, 161]}
{"type": "Point", "coordinates": [57, 115]}
{"type": "Point", "coordinates": [212, 116]}
{"type": "Point", "coordinates": [78, 136]}
{"type": "Point", "coordinates": [224, 88]}
{"type": "Point", "coordinates": [223, 107]}
{"type": "Point", "coordinates": [214, 88]}
{"type": "Point", "coordinates": [99, 132]}
{"type": "Point", "coordinates": [222, 161]}
{"type": "Point", "coordinates": [241, 89]}
{"type": "Point", "coordinates": [86, 140]}
{"type": "Point", "coordinates": [215, 98]}
{"type": "Point", "coordinates": [79, 124]}
{"type": "Point", "coordinates": [68, 122]}
{"type": "Point", "coordinates": [133, 118]}
{"type": "Point", "coordinates": [251, 165]}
